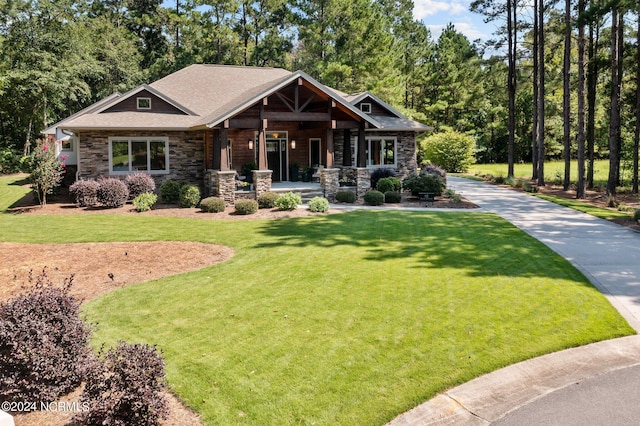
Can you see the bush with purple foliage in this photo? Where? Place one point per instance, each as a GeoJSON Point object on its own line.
{"type": "Point", "coordinates": [112, 192]}
{"type": "Point", "coordinates": [85, 192]}
{"type": "Point", "coordinates": [43, 342]}
{"type": "Point", "coordinates": [124, 387]}
{"type": "Point", "coordinates": [139, 183]}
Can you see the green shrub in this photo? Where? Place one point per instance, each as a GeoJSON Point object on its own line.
{"type": "Point", "coordinates": [346, 197]}
{"type": "Point", "coordinates": [389, 184]}
{"type": "Point", "coordinates": [43, 342]}
{"type": "Point", "coordinates": [424, 183]}
{"type": "Point", "coordinates": [170, 191]}
{"type": "Point", "coordinates": [212, 205]}
{"type": "Point", "coordinates": [450, 150]}
{"type": "Point", "coordinates": [10, 161]}
{"type": "Point", "coordinates": [124, 387]}
{"type": "Point", "coordinates": [139, 183]}
{"type": "Point", "coordinates": [499, 179]}
{"type": "Point", "coordinates": [432, 169]}
{"type": "Point", "coordinates": [85, 192]}
{"type": "Point", "coordinates": [319, 205]}
{"type": "Point", "coordinates": [378, 174]}
{"type": "Point", "coordinates": [636, 215]}
{"type": "Point", "coordinates": [46, 172]}
{"type": "Point", "coordinates": [145, 201]}
{"type": "Point", "coordinates": [244, 207]}
{"type": "Point", "coordinates": [267, 200]}
{"type": "Point", "coordinates": [392, 197]}
{"type": "Point", "coordinates": [288, 201]}
{"type": "Point", "coordinates": [189, 196]}
{"type": "Point", "coordinates": [374, 198]}
{"type": "Point", "coordinates": [112, 192]}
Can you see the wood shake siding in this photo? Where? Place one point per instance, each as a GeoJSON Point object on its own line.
{"type": "Point", "coordinates": [186, 154]}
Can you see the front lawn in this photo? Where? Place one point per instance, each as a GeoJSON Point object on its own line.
{"type": "Point", "coordinates": [342, 319]}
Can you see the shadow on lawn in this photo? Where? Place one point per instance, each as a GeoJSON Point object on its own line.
{"type": "Point", "coordinates": [483, 244]}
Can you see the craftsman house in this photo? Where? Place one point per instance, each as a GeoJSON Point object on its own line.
{"type": "Point", "coordinates": [202, 124]}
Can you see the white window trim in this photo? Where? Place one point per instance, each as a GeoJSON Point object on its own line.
{"type": "Point", "coordinates": [365, 107]}
{"type": "Point", "coordinates": [139, 139]}
{"type": "Point", "coordinates": [141, 99]}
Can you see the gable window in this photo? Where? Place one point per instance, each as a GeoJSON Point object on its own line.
{"type": "Point", "coordinates": [127, 155]}
{"type": "Point", "coordinates": [144, 103]}
{"type": "Point", "coordinates": [366, 108]}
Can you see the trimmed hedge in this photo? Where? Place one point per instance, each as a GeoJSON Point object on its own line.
{"type": "Point", "coordinates": [267, 200]}
{"type": "Point", "coordinates": [389, 184]}
{"type": "Point", "coordinates": [245, 207]}
{"type": "Point", "coordinates": [392, 197]}
{"type": "Point", "coordinates": [170, 191]}
{"type": "Point", "coordinates": [145, 201]}
{"type": "Point", "coordinates": [288, 201]}
{"type": "Point", "coordinates": [346, 197]}
{"type": "Point", "coordinates": [212, 205]}
{"type": "Point", "coordinates": [374, 198]}
{"type": "Point", "coordinates": [139, 183]}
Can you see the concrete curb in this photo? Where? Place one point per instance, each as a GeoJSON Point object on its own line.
{"type": "Point", "coordinates": [492, 396]}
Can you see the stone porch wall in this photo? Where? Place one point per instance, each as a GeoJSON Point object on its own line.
{"type": "Point", "coordinates": [186, 155]}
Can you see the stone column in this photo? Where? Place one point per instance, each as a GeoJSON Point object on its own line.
{"type": "Point", "coordinates": [211, 183]}
{"type": "Point", "coordinates": [226, 186]}
{"type": "Point", "coordinates": [363, 182]}
{"type": "Point", "coordinates": [262, 181]}
{"type": "Point", "coordinates": [329, 181]}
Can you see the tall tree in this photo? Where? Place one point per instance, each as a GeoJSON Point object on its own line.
{"type": "Point", "coordinates": [614, 117]}
{"type": "Point", "coordinates": [636, 139]}
{"type": "Point", "coordinates": [581, 100]}
{"type": "Point", "coordinates": [540, 106]}
{"type": "Point", "coordinates": [566, 110]}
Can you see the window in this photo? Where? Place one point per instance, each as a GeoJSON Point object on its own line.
{"type": "Point", "coordinates": [366, 108]}
{"type": "Point", "coordinates": [381, 151]}
{"type": "Point", "coordinates": [128, 155]}
{"type": "Point", "coordinates": [144, 103]}
{"type": "Point", "coordinates": [66, 143]}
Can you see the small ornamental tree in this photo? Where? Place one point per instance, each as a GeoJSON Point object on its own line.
{"type": "Point", "coordinates": [450, 150]}
{"type": "Point", "coordinates": [45, 171]}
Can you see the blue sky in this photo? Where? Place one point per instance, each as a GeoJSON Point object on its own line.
{"type": "Point", "coordinates": [436, 14]}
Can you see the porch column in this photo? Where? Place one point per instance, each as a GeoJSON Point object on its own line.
{"type": "Point", "coordinates": [346, 149]}
{"type": "Point", "coordinates": [330, 154]}
{"type": "Point", "coordinates": [262, 181]}
{"type": "Point", "coordinates": [329, 181]}
{"type": "Point", "coordinates": [262, 147]}
{"type": "Point", "coordinates": [363, 182]}
{"type": "Point", "coordinates": [362, 147]}
{"type": "Point", "coordinates": [223, 152]}
{"type": "Point", "coordinates": [216, 149]}
{"type": "Point", "coordinates": [226, 186]}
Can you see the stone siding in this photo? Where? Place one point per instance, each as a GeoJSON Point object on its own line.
{"type": "Point", "coordinates": [363, 182]}
{"type": "Point", "coordinates": [329, 181]}
{"type": "Point", "coordinates": [186, 155]}
{"type": "Point", "coordinates": [262, 181]}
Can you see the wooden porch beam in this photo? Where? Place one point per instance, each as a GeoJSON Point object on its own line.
{"type": "Point", "coordinates": [286, 101]}
{"type": "Point", "coordinates": [297, 116]}
{"type": "Point", "coordinates": [244, 123]}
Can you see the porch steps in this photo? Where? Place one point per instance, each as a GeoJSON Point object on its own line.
{"type": "Point", "coordinates": [305, 193]}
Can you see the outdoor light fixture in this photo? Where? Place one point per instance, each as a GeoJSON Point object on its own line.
{"type": "Point", "coordinates": [293, 144]}
{"type": "Point", "coordinates": [250, 144]}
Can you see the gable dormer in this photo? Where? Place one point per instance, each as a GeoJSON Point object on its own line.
{"type": "Point", "coordinates": [145, 101]}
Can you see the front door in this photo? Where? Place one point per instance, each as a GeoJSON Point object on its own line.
{"type": "Point", "coordinates": [273, 159]}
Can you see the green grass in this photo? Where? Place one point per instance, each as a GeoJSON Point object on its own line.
{"type": "Point", "coordinates": [341, 319]}
{"type": "Point", "coordinates": [553, 171]}
{"type": "Point", "coordinates": [602, 213]}
{"type": "Point", "coordinates": [12, 189]}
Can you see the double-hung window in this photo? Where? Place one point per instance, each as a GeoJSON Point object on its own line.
{"type": "Point", "coordinates": [132, 154]}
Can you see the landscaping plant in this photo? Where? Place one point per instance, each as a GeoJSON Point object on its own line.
{"type": "Point", "coordinates": [45, 171]}
{"type": "Point", "coordinates": [389, 184]}
{"type": "Point", "coordinates": [43, 342]}
{"type": "Point", "coordinates": [145, 201]}
{"type": "Point", "coordinates": [112, 192]}
{"type": "Point", "coordinates": [139, 183]}
{"type": "Point", "coordinates": [170, 191]}
{"type": "Point", "coordinates": [450, 150]}
{"type": "Point", "coordinates": [319, 205]}
{"type": "Point", "coordinates": [189, 196]}
{"type": "Point", "coordinates": [378, 174]}
{"type": "Point", "coordinates": [85, 192]}
{"type": "Point", "coordinates": [392, 197]}
{"type": "Point", "coordinates": [374, 198]}
{"type": "Point", "coordinates": [288, 201]}
{"type": "Point", "coordinates": [212, 205]}
{"type": "Point", "coordinates": [267, 200]}
{"type": "Point", "coordinates": [424, 183]}
{"type": "Point", "coordinates": [346, 197]}
{"type": "Point", "coordinates": [245, 207]}
{"type": "Point", "coordinates": [124, 387]}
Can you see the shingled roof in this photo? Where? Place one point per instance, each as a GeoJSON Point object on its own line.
{"type": "Point", "coordinates": [209, 94]}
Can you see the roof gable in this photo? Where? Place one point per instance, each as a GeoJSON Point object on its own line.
{"type": "Point", "coordinates": [127, 102]}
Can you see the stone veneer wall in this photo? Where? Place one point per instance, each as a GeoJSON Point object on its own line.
{"type": "Point", "coordinates": [405, 150]}
{"type": "Point", "coordinates": [226, 186]}
{"type": "Point", "coordinates": [186, 154]}
{"type": "Point", "coordinates": [262, 181]}
{"type": "Point", "coordinates": [363, 182]}
{"type": "Point", "coordinates": [329, 181]}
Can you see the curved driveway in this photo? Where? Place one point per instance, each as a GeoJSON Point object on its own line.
{"type": "Point", "coordinates": [595, 384]}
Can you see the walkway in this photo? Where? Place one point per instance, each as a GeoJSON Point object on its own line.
{"type": "Point", "coordinates": [587, 385]}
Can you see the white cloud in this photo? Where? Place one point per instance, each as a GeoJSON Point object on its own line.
{"type": "Point", "coordinates": [425, 8]}
{"type": "Point", "coordinates": [469, 30]}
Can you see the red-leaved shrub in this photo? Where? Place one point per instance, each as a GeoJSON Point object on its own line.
{"type": "Point", "coordinates": [139, 183]}
{"type": "Point", "coordinates": [85, 192]}
{"type": "Point", "coordinates": [112, 192]}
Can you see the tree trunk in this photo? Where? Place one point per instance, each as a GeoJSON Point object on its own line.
{"type": "Point", "coordinates": [534, 127]}
{"type": "Point", "coordinates": [566, 98]}
{"type": "Point", "coordinates": [636, 139]}
{"type": "Point", "coordinates": [541, 93]}
{"type": "Point", "coordinates": [511, 40]}
{"type": "Point", "coordinates": [614, 121]}
{"type": "Point", "coordinates": [581, 112]}
{"type": "Point", "coordinates": [592, 81]}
